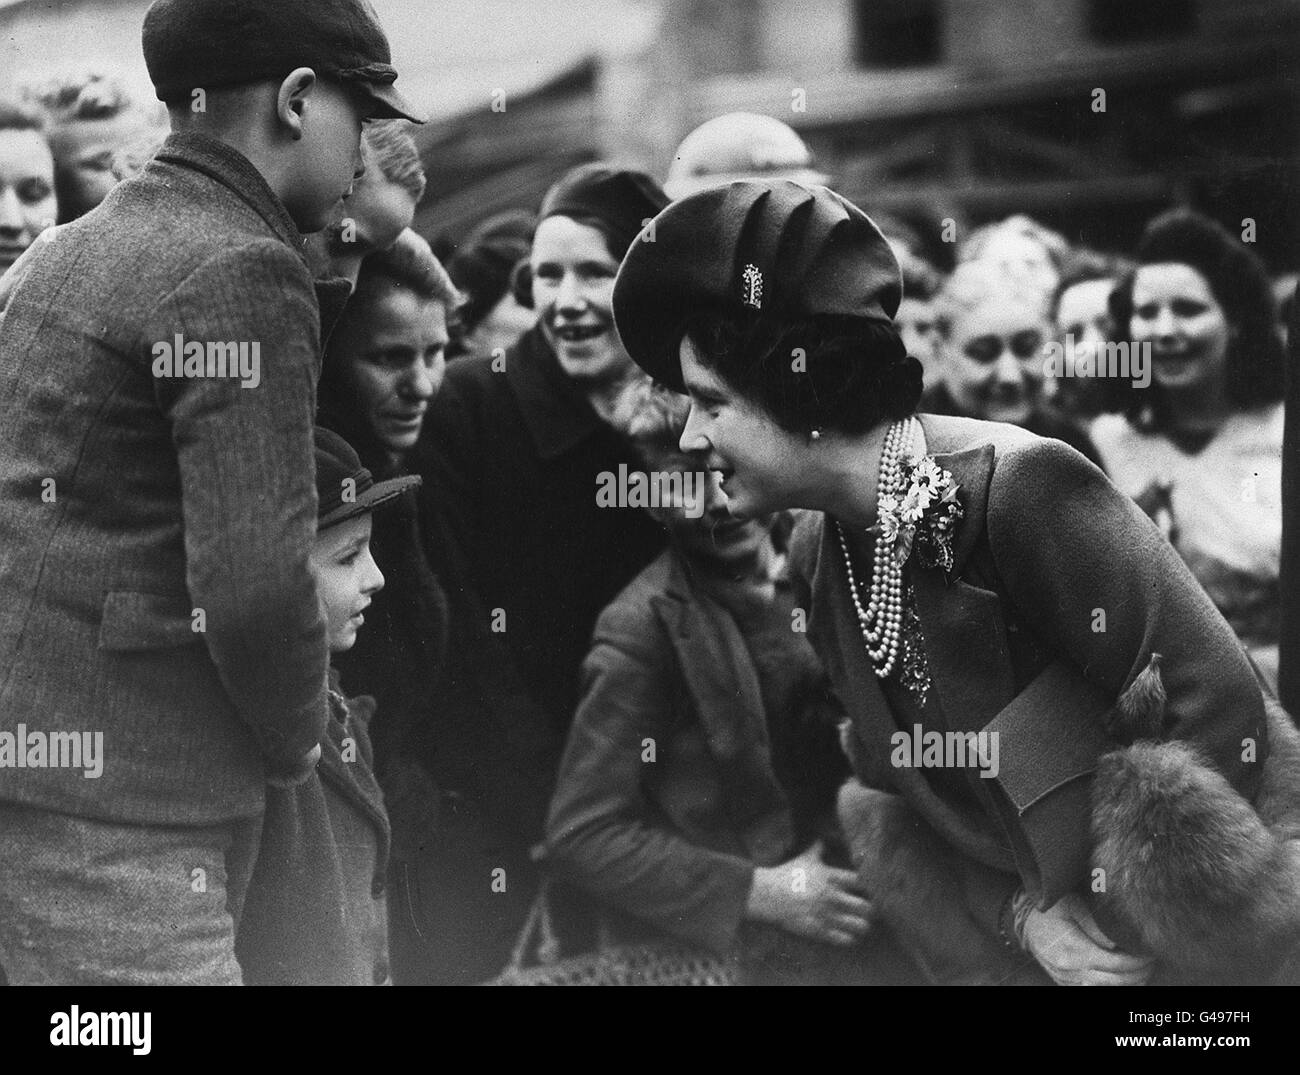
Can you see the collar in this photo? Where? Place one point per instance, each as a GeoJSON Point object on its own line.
{"type": "Point", "coordinates": [227, 166]}
{"type": "Point", "coordinates": [556, 413]}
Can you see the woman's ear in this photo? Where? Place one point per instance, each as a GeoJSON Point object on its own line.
{"type": "Point", "coordinates": [521, 284]}
{"type": "Point", "coordinates": [291, 100]}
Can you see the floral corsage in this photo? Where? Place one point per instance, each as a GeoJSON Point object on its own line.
{"type": "Point", "coordinates": [924, 518]}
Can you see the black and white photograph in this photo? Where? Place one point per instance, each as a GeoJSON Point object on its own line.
{"type": "Point", "coordinates": [650, 492]}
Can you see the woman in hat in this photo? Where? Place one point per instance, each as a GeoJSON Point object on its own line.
{"type": "Point", "coordinates": [981, 596]}
{"type": "Point", "coordinates": [513, 453]}
{"type": "Point", "coordinates": [1201, 448]}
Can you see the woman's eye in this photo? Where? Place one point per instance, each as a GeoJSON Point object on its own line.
{"type": "Point", "coordinates": [1147, 311]}
{"type": "Point", "coordinates": [34, 190]}
{"type": "Point", "coordinates": [1189, 308]}
{"type": "Point", "coordinates": [350, 558]}
{"type": "Point", "coordinates": [983, 348]}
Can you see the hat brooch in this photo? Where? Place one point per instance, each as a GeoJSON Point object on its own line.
{"type": "Point", "coordinates": [752, 283]}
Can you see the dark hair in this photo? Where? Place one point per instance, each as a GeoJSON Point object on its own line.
{"type": "Point", "coordinates": [483, 264]}
{"type": "Point", "coordinates": [854, 373]}
{"type": "Point", "coordinates": [1240, 284]}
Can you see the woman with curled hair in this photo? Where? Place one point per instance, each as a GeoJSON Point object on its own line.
{"type": "Point", "coordinates": [966, 582]}
{"type": "Point", "coordinates": [1200, 449]}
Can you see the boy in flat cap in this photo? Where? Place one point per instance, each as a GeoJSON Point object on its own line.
{"type": "Point", "coordinates": [157, 508]}
{"type": "Point", "coordinates": [315, 912]}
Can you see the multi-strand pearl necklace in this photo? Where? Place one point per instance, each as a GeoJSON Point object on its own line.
{"type": "Point", "coordinates": [881, 621]}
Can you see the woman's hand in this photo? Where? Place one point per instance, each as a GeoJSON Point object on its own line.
{"type": "Point", "coordinates": [1070, 946]}
{"type": "Point", "coordinates": [806, 897]}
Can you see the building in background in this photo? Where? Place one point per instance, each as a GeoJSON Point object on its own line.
{"type": "Point", "coordinates": [927, 109]}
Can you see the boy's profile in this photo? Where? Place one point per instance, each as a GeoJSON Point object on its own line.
{"type": "Point", "coordinates": [156, 529]}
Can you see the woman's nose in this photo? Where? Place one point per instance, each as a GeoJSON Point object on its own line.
{"type": "Point", "coordinates": [693, 438]}
{"type": "Point", "coordinates": [1164, 323]}
{"type": "Point", "coordinates": [1008, 369]}
{"type": "Point", "coordinates": [569, 295]}
{"type": "Point", "coordinates": [11, 212]}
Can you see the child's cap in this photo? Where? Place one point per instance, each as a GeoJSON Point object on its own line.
{"type": "Point", "coordinates": [208, 44]}
{"type": "Point", "coordinates": [344, 487]}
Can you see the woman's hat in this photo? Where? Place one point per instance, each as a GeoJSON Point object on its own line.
{"type": "Point", "coordinates": [770, 248]}
{"type": "Point", "coordinates": [344, 488]}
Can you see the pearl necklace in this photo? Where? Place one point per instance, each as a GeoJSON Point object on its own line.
{"type": "Point", "coordinates": [882, 620]}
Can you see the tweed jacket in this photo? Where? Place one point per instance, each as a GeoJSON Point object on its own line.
{"type": "Point", "coordinates": [674, 840]}
{"type": "Point", "coordinates": [1060, 591]}
{"type": "Point", "coordinates": [155, 530]}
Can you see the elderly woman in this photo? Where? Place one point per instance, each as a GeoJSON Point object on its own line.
{"type": "Point", "coordinates": [995, 331]}
{"type": "Point", "coordinates": [1201, 448]}
{"type": "Point", "coordinates": [700, 774]}
{"type": "Point", "coordinates": [981, 596]}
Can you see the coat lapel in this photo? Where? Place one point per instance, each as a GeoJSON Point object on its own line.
{"type": "Point", "coordinates": [963, 624]}
{"type": "Point", "coordinates": [965, 650]}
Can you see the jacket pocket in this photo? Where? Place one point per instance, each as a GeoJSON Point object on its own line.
{"type": "Point", "coordinates": [145, 621]}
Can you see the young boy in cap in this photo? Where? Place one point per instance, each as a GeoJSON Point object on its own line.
{"type": "Point", "coordinates": [315, 913]}
{"type": "Point", "coordinates": [159, 359]}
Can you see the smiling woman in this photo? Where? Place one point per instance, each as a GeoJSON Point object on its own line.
{"type": "Point", "coordinates": [978, 618]}
{"type": "Point", "coordinates": [1201, 448]}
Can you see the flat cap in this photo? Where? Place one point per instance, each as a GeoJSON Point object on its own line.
{"type": "Point", "coordinates": [344, 488]}
{"type": "Point", "coordinates": [211, 44]}
{"type": "Point", "coordinates": [756, 248]}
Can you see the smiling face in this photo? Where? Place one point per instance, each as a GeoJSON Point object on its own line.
{"type": "Point", "coordinates": [391, 358]}
{"type": "Point", "coordinates": [994, 361]}
{"type": "Point", "coordinates": [1175, 311]}
{"type": "Point", "coordinates": [573, 288]}
{"type": "Point", "coordinates": [27, 205]}
{"type": "Point", "coordinates": [757, 459]}
{"type": "Point", "coordinates": [346, 578]}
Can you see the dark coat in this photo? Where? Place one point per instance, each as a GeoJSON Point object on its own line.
{"type": "Point", "coordinates": [315, 910]}
{"type": "Point", "coordinates": [510, 462]}
{"type": "Point", "coordinates": [1010, 635]}
{"type": "Point", "coordinates": [674, 840]}
{"type": "Point", "coordinates": [170, 495]}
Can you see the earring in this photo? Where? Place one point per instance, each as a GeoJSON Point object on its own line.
{"type": "Point", "coordinates": [816, 434]}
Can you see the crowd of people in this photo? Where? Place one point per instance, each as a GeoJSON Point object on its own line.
{"type": "Point", "coordinates": [391, 692]}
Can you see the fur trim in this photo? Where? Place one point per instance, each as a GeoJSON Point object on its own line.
{"type": "Point", "coordinates": [1210, 883]}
